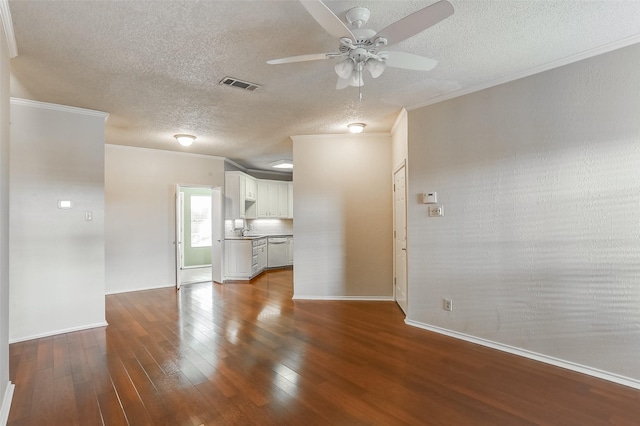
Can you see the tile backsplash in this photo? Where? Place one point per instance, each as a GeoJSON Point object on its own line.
{"type": "Point", "coordinates": [260, 226]}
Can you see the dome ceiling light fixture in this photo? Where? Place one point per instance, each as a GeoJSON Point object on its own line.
{"type": "Point", "coordinates": [184, 139]}
{"type": "Point", "coordinates": [356, 127]}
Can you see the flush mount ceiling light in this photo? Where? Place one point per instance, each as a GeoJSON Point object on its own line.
{"type": "Point", "coordinates": [356, 127]}
{"type": "Point", "coordinates": [185, 140]}
{"type": "Point", "coordinates": [282, 164]}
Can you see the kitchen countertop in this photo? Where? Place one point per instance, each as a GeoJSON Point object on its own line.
{"type": "Point", "coordinates": [246, 237]}
{"type": "Point", "coordinates": [256, 237]}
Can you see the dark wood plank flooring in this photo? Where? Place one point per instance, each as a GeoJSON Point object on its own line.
{"type": "Point", "coordinates": [246, 354]}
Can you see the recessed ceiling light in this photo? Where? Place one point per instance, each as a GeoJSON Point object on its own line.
{"type": "Point", "coordinates": [356, 127]}
{"type": "Point", "coordinates": [185, 140]}
{"type": "Point", "coordinates": [282, 164]}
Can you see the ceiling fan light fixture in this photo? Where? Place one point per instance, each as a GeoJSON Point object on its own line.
{"type": "Point", "coordinates": [356, 127]}
{"type": "Point", "coordinates": [375, 67]}
{"type": "Point", "coordinates": [344, 69]}
{"type": "Point", "coordinates": [184, 139]}
{"type": "Point", "coordinates": [356, 80]}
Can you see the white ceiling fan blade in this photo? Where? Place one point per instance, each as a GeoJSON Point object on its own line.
{"type": "Point", "coordinates": [416, 22]}
{"type": "Point", "coordinates": [301, 58]}
{"type": "Point", "coordinates": [327, 19]}
{"type": "Point", "coordinates": [408, 61]}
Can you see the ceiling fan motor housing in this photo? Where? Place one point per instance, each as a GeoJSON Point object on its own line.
{"type": "Point", "coordinates": [358, 16]}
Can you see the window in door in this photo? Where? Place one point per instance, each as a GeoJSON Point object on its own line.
{"type": "Point", "coordinates": [200, 221]}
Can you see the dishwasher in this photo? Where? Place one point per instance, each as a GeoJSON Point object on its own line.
{"type": "Point", "coordinates": [276, 252]}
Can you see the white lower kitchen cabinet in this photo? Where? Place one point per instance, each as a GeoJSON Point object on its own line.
{"type": "Point", "coordinates": [290, 251]}
{"type": "Point", "coordinates": [244, 259]}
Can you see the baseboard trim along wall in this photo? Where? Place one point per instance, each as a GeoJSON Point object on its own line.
{"type": "Point", "coordinates": [361, 298]}
{"type": "Point", "coordinates": [56, 332]}
{"type": "Point", "coordinates": [622, 380]}
{"type": "Point", "coordinates": [140, 289]}
{"type": "Point", "coordinates": [6, 404]}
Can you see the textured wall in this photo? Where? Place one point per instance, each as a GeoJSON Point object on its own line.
{"type": "Point", "coordinates": [57, 258]}
{"type": "Point", "coordinates": [140, 212]}
{"type": "Point", "coordinates": [343, 206]}
{"type": "Point", "coordinates": [540, 245]}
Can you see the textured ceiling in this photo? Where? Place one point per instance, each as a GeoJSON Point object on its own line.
{"type": "Point", "coordinates": [154, 66]}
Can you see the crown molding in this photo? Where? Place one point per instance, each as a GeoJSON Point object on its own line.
{"type": "Point", "coordinates": [610, 47]}
{"type": "Point", "coordinates": [7, 24]}
{"type": "Point", "coordinates": [365, 135]}
{"type": "Point", "coordinates": [56, 107]}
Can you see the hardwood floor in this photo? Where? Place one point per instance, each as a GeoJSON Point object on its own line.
{"type": "Point", "coordinates": [246, 354]}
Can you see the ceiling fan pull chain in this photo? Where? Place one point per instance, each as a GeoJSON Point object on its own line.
{"type": "Point", "coordinates": [360, 85]}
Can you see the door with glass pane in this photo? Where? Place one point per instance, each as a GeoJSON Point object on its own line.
{"type": "Point", "coordinates": [198, 242]}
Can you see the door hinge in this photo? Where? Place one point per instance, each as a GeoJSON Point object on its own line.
{"type": "Point", "coordinates": [395, 281]}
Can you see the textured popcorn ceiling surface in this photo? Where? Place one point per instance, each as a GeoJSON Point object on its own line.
{"type": "Point", "coordinates": [154, 66]}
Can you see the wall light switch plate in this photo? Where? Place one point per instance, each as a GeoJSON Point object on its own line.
{"type": "Point", "coordinates": [436, 211]}
{"type": "Point", "coordinates": [64, 204]}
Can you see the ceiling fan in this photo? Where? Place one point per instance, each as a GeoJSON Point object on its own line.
{"type": "Point", "coordinates": [362, 48]}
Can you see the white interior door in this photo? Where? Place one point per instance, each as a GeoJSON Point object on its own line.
{"type": "Point", "coordinates": [217, 227]}
{"type": "Point", "coordinates": [179, 235]}
{"type": "Point", "coordinates": [400, 237]}
{"type": "Point", "coordinates": [187, 274]}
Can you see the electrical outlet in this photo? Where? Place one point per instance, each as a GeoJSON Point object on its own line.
{"type": "Point", "coordinates": [447, 304]}
{"type": "Point", "coordinates": [436, 211]}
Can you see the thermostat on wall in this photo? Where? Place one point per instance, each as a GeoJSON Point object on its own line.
{"type": "Point", "coordinates": [430, 198]}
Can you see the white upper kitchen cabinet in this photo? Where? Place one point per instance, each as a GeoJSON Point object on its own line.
{"type": "Point", "coordinates": [240, 196]}
{"type": "Point", "coordinates": [251, 189]}
{"type": "Point", "coordinates": [290, 200]}
{"type": "Point", "coordinates": [273, 199]}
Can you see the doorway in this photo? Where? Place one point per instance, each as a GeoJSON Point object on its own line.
{"type": "Point", "coordinates": [400, 237]}
{"type": "Point", "coordinates": [198, 234]}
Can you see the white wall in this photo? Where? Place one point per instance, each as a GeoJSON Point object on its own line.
{"type": "Point", "coordinates": [343, 208]}
{"type": "Point", "coordinates": [140, 217]}
{"type": "Point", "coordinates": [57, 258]}
{"type": "Point", "coordinates": [540, 244]}
{"type": "Point", "coordinates": [5, 385]}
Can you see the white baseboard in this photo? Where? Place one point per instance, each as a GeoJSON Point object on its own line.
{"type": "Point", "coordinates": [56, 332]}
{"type": "Point", "coordinates": [612, 377]}
{"type": "Point", "coordinates": [362, 298]}
{"type": "Point", "coordinates": [6, 404]}
{"type": "Point", "coordinates": [139, 289]}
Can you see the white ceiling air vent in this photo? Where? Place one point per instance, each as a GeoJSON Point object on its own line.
{"type": "Point", "coordinates": [234, 82]}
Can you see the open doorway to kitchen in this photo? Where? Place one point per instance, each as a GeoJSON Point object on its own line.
{"type": "Point", "coordinates": [198, 234]}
